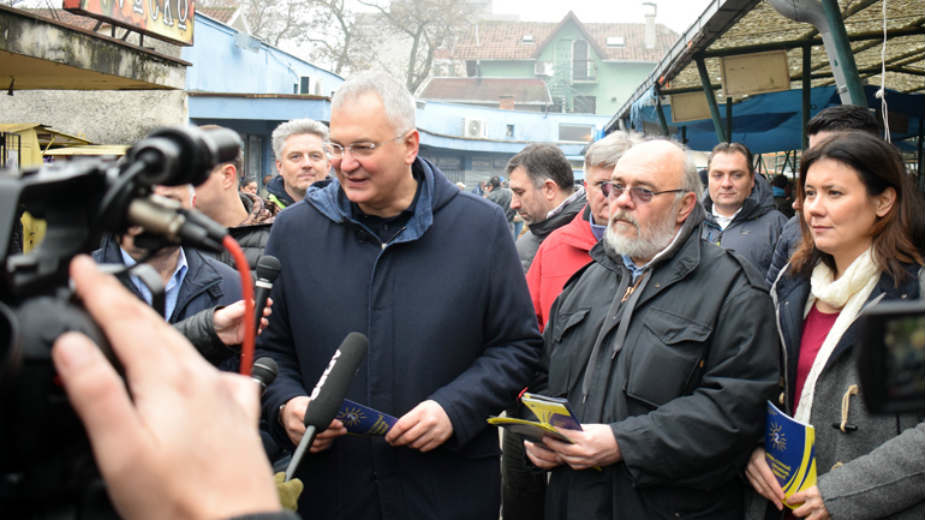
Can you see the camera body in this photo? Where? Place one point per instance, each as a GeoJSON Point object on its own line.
{"type": "Point", "coordinates": [892, 360]}
{"type": "Point", "coordinates": [46, 465]}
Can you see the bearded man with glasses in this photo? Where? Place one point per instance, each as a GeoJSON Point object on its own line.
{"type": "Point", "coordinates": [665, 348]}
{"type": "Point", "coordinates": [389, 249]}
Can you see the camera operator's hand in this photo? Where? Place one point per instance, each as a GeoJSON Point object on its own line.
{"type": "Point", "coordinates": [229, 322]}
{"type": "Point", "coordinates": [188, 446]}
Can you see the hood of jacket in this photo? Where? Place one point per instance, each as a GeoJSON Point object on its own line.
{"type": "Point", "coordinates": [758, 202]}
{"type": "Point", "coordinates": [435, 192]}
{"type": "Point", "coordinates": [277, 188]}
{"type": "Point", "coordinates": [563, 214]}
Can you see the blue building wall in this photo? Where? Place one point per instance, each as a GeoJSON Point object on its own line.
{"type": "Point", "coordinates": [241, 83]}
{"type": "Point", "coordinates": [225, 60]}
{"type": "Point", "coordinates": [472, 160]}
{"type": "Point", "coordinates": [259, 86]}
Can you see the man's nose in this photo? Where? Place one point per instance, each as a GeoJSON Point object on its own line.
{"type": "Point", "coordinates": [623, 200]}
{"type": "Point", "coordinates": [515, 202]}
{"type": "Point", "coordinates": [348, 162]}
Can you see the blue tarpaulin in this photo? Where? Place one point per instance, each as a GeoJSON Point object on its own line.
{"type": "Point", "coordinates": [772, 122]}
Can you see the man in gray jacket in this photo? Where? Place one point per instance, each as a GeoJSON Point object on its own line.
{"type": "Point", "coordinates": [544, 195]}
{"type": "Point", "coordinates": [741, 214]}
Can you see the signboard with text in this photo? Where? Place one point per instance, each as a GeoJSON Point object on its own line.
{"type": "Point", "coordinates": [168, 20]}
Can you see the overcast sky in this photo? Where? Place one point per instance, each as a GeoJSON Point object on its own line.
{"type": "Point", "coordinates": [676, 14]}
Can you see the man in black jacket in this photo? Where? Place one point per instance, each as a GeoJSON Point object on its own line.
{"type": "Point", "coordinates": [245, 215]}
{"type": "Point", "coordinates": [666, 353]}
{"type": "Point", "coordinates": [544, 195]}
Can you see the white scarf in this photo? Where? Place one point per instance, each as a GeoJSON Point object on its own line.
{"type": "Point", "coordinates": [848, 293]}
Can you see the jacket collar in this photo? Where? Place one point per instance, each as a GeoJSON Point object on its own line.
{"type": "Point", "coordinates": [200, 276]}
{"type": "Point", "coordinates": [435, 192]}
{"type": "Point", "coordinates": [563, 214]}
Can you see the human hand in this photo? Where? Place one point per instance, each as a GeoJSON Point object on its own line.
{"type": "Point", "coordinates": [185, 445]}
{"type": "Point", "coordinates": [541, 456]}
{"type": "Point", "coordinates": [229, 322]}
{"type": "Point", "coordinates": [762, 480]}
{"type": "Point", "coordinates": [813, 507]}
{"type": "Point", "coordinates": [593, 446]}
{"type": "Point", "coordinates": [292, 417]}
{"type": "Point", "coordinates": [325, 439]}
{"type": "Point", "coordinates": [424, 428]}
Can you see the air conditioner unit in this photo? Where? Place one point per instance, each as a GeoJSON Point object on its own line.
{"type": "Point", "coordinates": [473, 127]}
{"type": "Point", "coordinates": [542, 68]}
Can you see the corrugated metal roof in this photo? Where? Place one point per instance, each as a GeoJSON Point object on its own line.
{"type": "Point", "coordinates": [742, 26]}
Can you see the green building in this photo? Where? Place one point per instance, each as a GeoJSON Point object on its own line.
{"type": "Point", "coordinates": [585, 67]}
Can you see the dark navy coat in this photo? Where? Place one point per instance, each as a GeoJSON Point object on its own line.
{"type": "Point", "coordinates": [208, 282]}
{"type": "Point", "coordinates": [449, 318]}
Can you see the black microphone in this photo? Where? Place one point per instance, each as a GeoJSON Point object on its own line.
{"type": "Point", "coordinates": [267, 271]}
{"type": "Point", "coordinates": [264, 372]}
{"type": "Point", "coordinates": [329, 393]}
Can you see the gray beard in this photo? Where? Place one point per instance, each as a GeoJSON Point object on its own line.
{"type": "Point", "coordinates": [648, 242]}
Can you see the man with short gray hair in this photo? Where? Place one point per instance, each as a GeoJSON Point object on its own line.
{"type": "Point", "coordinates": [299, 147]}
{"type": "Point", "coordinates": [386, 249]}
{"type": "Point", "coordinates": [665, 352]}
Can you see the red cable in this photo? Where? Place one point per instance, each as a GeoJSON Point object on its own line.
{"type": "Point", "coordinates": [247, 288]}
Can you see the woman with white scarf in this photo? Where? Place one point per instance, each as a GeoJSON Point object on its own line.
{"type": "Point", "coordinates": [862, 240]}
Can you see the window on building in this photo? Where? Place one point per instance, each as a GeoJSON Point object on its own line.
{"type": "Point", "coordinates": [585, 104]}
{"type": "Point", "coordinates": [558, 105]}
{"type": "Point", "coordinates": [509, 131]}
{"type": "Point", "coordinates": [573, 132]}
{"type": "Point", "coordinates": [472, 68]}
{"type": "Point", "coordinates": [581, 61]}
{"type": "Point", "coordinates": [616, 41]}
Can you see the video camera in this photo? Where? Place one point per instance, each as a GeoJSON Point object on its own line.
{"type": "Point", "coordinates": [892, 360]}
{"type": "Point", "coordinates": [46, 466]}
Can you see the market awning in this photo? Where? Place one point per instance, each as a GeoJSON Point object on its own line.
{"type": "Point", "coordinates": [772, 122]}
{"type": "Point", "coordinates": [739, 27]}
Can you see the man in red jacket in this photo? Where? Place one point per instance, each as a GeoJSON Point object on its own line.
{"type": "Point", "coordinates": [565, 250]}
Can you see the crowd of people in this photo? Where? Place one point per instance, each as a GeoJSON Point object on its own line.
{"type": "Point", "coordinates": [666, 313]}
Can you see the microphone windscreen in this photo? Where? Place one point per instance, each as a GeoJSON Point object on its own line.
{"type": "Point", "coordinates": [331, 389]}
{"type": "Point", "coordinates": [268, 267]}
{"type": "Point", "coordinates": [264, 371]}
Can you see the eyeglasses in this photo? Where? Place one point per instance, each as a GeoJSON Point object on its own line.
{"type": "Point", "coordinates": [640, 195]}
{"type": "Point", "coordinates": [361, 149]}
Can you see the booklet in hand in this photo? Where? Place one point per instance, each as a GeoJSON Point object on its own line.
{"type": "Point", "coordinates": [551, 413]}
{"type": "Point", "coordinates": [363, 420]}
{"type": "Point", "coordinates": [790, 448]}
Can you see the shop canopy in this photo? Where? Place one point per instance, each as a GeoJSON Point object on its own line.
{"type": "Point", "coordinates": [772, 122]}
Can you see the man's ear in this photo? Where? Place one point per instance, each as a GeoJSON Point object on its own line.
{"type": "Point", "coordinates": [688, 201]}
{"type": "Point", "coordinates": [412, 144]}
{"type": "Point", "coordinates": [229, 176]}
{"type": "Point", "coordinates": [550, 189]}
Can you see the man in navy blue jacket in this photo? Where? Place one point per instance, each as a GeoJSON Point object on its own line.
{"type": "Point", "coordinates": [392, 249]}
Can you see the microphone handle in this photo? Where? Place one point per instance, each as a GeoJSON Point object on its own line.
{"type": "Point", "coordinates": [300, 452]}
{"type": "Point", "coordinates": [260, 298]}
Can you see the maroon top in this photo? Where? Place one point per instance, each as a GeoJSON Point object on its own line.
{"type": "Point", "coordinates": [815, 329]}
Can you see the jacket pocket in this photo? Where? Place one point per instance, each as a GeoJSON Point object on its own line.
{"type": "Point", "coordinates": [560, 368]}
{"type": "Point", "coordinates": [667, 353]}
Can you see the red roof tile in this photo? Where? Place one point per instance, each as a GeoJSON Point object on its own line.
{"type": "Point", "coordinates": [502, 40]}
